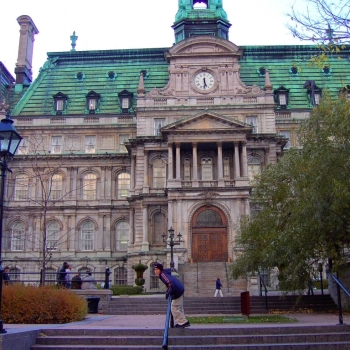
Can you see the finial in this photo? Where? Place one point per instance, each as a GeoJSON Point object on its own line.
{"type": "Point", "coordinates": [74, 39]}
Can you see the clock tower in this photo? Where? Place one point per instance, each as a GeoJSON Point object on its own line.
{"type": "Point", "coordinates": [200, 17]}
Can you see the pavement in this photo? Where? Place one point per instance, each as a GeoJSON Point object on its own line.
{"type": "Point", "coordinates": [158, 322]}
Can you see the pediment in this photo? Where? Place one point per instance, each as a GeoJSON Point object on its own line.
{"type": "Point", "coordinates": [204, 45]}
{"type": "Point", "coordinates": [207, 122]}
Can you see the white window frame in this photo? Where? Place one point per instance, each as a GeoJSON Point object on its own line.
{"type": "Point", "coordinates": [17, 236]}
{"type": "Point", "coordinates": [253, 121]}
{"type": "Point", "coordinates": [159, 174]}
{"type": "Point", "coordinates": [89, 186]}
{"type": "Point", "coordinates": [207, 169]}
{"type": "Point", "coordinates": [56, 144]}
{"type": "Point", "coordinates": [87, 233]}
{"type": "Point", "coordinates": [56, 185]}
{"type": "Point", "coordinates": [52, 231]}
{"type": "Point", "coordinates": [60, 105]}
{"type": "Point", "coordinates": [122, 232]}
{"type": "Point", "coordinates": [90, 144]}
{"type": "Point", "coordinates": [123, 180]}
{"type": "Point", "coordinates": [21, 187]}
{"type": "Point", "coordinates": [158, 124]}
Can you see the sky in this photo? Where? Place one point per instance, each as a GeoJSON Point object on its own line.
{"type": "Point", "coordinates": [123, 24]}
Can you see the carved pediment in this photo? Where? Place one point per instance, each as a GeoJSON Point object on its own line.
{"type": "Point", "coordinates": [207, 121]}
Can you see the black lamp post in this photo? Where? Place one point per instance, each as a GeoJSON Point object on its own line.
{"type": "Point", "coordinates": [9, 142]}
{"type": "Point", "coordinates": [171, 243]}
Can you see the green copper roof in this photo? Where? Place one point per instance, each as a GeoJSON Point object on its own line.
{"type": "Point", "coordinates": [60, 74]}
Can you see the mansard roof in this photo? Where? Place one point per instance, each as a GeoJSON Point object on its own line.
{"type": "Point", "coordinates": [61, 72]}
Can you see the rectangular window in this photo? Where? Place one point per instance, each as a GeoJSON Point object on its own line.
{"type": "Point", "coordinates": [59, 105]}
{"type": "Point", "coordinates": [187, 170]}
{"type": "Point", "coordinates": [253, 121]}
{"type": "Point", "coordinates": [125, 103]}
{"type": "Point", "coordinates": [226, 168]}
{"type": "Point", "coordinates": [92, 104]}
{"type": "Point", "coordinates": [159, 174]}
{"type": "Point", "coordinates": [56, 187]}
{"type": "Point", "coordinates": [158, 123]}
{"type": "Point", "coordinates": [207, 169]}
{"type": "Point", "coordinates": [286, 134]}
{"type": "Point", "coordinates": [121, 276]}
{"type": "Point", "coordinates": [283, 100]}
{"type": "Point", "coordinates": [21, 187]}
{"type": "Point", "coordinates": [123, 138]}
{"type": "Point", "coordinates": [56, 144]}
{"type": "Point", "coordinates": [317, 99]}
{"type": "Point", "coordinates": [87, 239]}
{"type": "Point", "coordinates": [23, 146]}
{"type": "Point", "coordinates": [90, 144]}
{"type": "Point", "coordinates": [17, 240]}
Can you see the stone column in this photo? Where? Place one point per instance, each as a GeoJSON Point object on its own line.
{"type": "Point", "coordinates": [132, 175]}
{"type": "Point", "coordinates": [145, 243]}
{"type": "Point", "coordinates": [108, 179]}
{"type": "Point", "coordinates": [131, 236]}
{"type": "Point", "coordinates": [170, 161]}
{"type": "Point", "coordinates": [170, 214]}
{"type": "Point", "coordinates": [103, 183]}
{"type": "Point", "coordinates": [145, 172]}
{"type": "Point", "coordinates": [195, 165]}
{"type": "Point", "coordinates": [107, 232]}
{"type": "Point", "coordinates": [100, 236]}
{"type": "Point", "coordinates": [244, 159]}
{"type": "Point", "coordinates": [178, 162]}
{"type": "Point", "coordinates": [237, 161]}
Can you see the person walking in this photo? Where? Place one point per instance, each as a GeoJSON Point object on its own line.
{"type": "Point", "coordinates": [176, 290]}
{"type": "Point", "coordinates": [5, 275]}
{"type": "Point", "coordinates": [61, 275]}
{"type": "Point", "coordinates": [218, 288]}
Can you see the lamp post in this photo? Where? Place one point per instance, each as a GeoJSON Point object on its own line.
{"type": "Point", "coordinates": [9, 142]}
{"type": "Point", "coordinates": [170, 242]}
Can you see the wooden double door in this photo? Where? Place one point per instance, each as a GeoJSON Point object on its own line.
{"type": "Point", "coordinates": [209, 235]}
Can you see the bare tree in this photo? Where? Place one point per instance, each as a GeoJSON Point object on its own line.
{"type": "Point", "coordinates": [321, 21]}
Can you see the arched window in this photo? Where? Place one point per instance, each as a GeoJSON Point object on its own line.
{"type": "Point", "coordinates": [52, 235]}
{"type": "Point", "coordinates": [120, 275]}
{"type": "Point", "coordinates": [17, 236]}
{"type": "Point", "coordinates": [21, 187]}
{"type": "Point", "coordinates": [89, 186]}
{"type": "Point", "coordinates": [123, 180]}
{"type": "Point", "coordinates": [122, 231]}
{"type": "Point", "coordinates": [56, 187]}
{"type": "Point", "coordinates": [207, 169]}
{"type": "Point", "coordinates": [159, 173]}
{"type": "Point", "coordinates": [87, 236]}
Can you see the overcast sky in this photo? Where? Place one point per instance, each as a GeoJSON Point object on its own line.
{"type": "Point", "coordinates": [120, 24]}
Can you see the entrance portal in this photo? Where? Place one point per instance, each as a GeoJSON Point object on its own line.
{"type": "Point", "coordinates": [209, 235]}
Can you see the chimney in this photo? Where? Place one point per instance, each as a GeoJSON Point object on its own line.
{"type": "Point", "coordinates": [23, 68]}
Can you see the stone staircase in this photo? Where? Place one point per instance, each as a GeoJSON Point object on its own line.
{"type": "Point", "coordinates": [227, 306]}
{"type": "Point", "coordinates": [199, 279]}
{"type": "Point", "coordinates": [333, 337]}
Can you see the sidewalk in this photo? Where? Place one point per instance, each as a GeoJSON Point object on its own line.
{"type": "Point", "coordinates": [158, 322]}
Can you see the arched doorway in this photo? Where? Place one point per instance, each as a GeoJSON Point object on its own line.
{"type": "Point", "coordinates": [209, 235]}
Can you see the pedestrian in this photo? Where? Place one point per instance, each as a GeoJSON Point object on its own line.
{"type": "Point", "coordinates": [176, 290]}
{"type": "Point", "coordinates": [68, 276]}
{"type": "Point", "coordinates": [88, 281]}
{"type": "Point", "coordinates": [76, 282]}
{"type": "Point", "coordinates": [5, 275]}
{"type": "Point", "coordinates": [218, 288]}
{"type": "Point", "coordinates": [311, 287]}
{"type": "Point", "coordinates": [61, 275]}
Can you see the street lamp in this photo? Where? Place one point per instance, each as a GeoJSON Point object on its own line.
{"type": "Point", "coordinates": [170, 242]}
{"type": "Point", "coordinates": [9, 142]}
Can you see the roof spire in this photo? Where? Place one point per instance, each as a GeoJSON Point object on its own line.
{"type": "Point", "coordinates": [74, 39]}
{"type": "Point", "coordinates": [267, 86]}
{"type": "Point", "coordinates": [141, 88]}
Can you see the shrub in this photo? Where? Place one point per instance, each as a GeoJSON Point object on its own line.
{"type": "Point", "coordinates": [37, 305]}
{"type": "Point", "coordinates": [126, 290]}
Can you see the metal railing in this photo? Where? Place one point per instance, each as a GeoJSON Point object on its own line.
{"type": "Point", "coordinates": [36, 278]}
{"type": "Point", "coordinates": [168, 321]}
{"type": "Point", "coordinates": [262, 284]}
{"type": "Point", "coordinates": [340, 285]}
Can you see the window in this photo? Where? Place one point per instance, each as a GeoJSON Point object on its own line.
{"type": "Point", "coordinates": [286, 134]}
{"type": "Point", "coordinates": [159, 173]}
{"type": "Point", "coordinates": [254, 167]}
{"type": "Point", "coordinates": [125, 99]}
{"type": "Point", "coordinates": [15, 274]}
{"type": "Point", "coordinates": [158, 123]}
{"type": "Point", "coordinates": [187, 169]}
{"type": "Point", "coordinates": [281, 96]}
{"type": "Point", "coordinates": [87, 236]}
{"type": "Point", "coordinates": [52, 232]}
{"type": "Point", "coordinates": [159, 224]}
{"type": "Point", "coordinates": [122, 236]}
{"type": "Point", "coordinates": [313, 91]}
{"type": "Point", "coordinates": [23, 147]}
{"type": "Point", "coordinates": [123, 138]}
{"type": "Point", "coordinates": [207, 169]}
{"type": "Point", "coordinates": [60, 102]}
{"type": "Point", "coordinates": [92, 101]}
{"type": "Point", "coordinates": [56, 144]}
{"type": "Point", "coordinates": [50, 276]}
{"type": "Point", "coordinates": [56, 187]}
{"type": "Point", "coordinates": [120, 274]}
{"type": "Point", "coordinates": [90, 144]}
{"type": "Point", "coordinates": [17, 236]}
{"type": "Point", "coordinates": [154, 280]}
{"type": "Point", "coordinates": [21, 187]}
{"type": "Point", "coordinates": [123, 185]}
{"type": "Point", "coordinates": [89, 186]}
{"type": "Point", "coordinates": [253, 121]}
{"type": "Point", "coordinates": [226, 168]}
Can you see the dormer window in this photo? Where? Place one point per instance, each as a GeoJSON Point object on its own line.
{"type": "Point", "coordinates": [262, 71]}
{"type": "Point", "coordinates": [313, 91]}
{"type": "Point", "coordinates": [125, 100]}
{"type": "Point", "coordinates": [92, 101]}
{"type": "Point", "coordinates": [281, 97]}
{"type": "Point", "coordinates": [60, 103]}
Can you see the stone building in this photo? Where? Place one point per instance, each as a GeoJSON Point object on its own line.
{"type": "Point", "coordinates": [119, 146]}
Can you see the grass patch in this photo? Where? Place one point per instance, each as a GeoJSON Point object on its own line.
{"type": "Point", "coordinates": [240, 319]}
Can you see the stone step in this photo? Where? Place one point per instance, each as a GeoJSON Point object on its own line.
{"type": "Point", "coordinates": [261, 338]}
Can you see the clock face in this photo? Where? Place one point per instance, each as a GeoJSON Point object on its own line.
{"type": "Point", "coordinates": [204, 81]}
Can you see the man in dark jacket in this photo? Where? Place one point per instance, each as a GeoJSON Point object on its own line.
{"type": "Point", "coordinates": [176, 290]}
{"type": "Point", "coordinates": [218, 287]}
{"type": "Point", "coordinates": [5, 275]}
{"type": "Point", "coordinates": [61, 275]}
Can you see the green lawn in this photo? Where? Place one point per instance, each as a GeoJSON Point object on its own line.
{"type": "Point", "coordinates": [240, 319]}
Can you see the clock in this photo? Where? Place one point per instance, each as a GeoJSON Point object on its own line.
{"type": "Point", "coordinates": [204, 80]}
